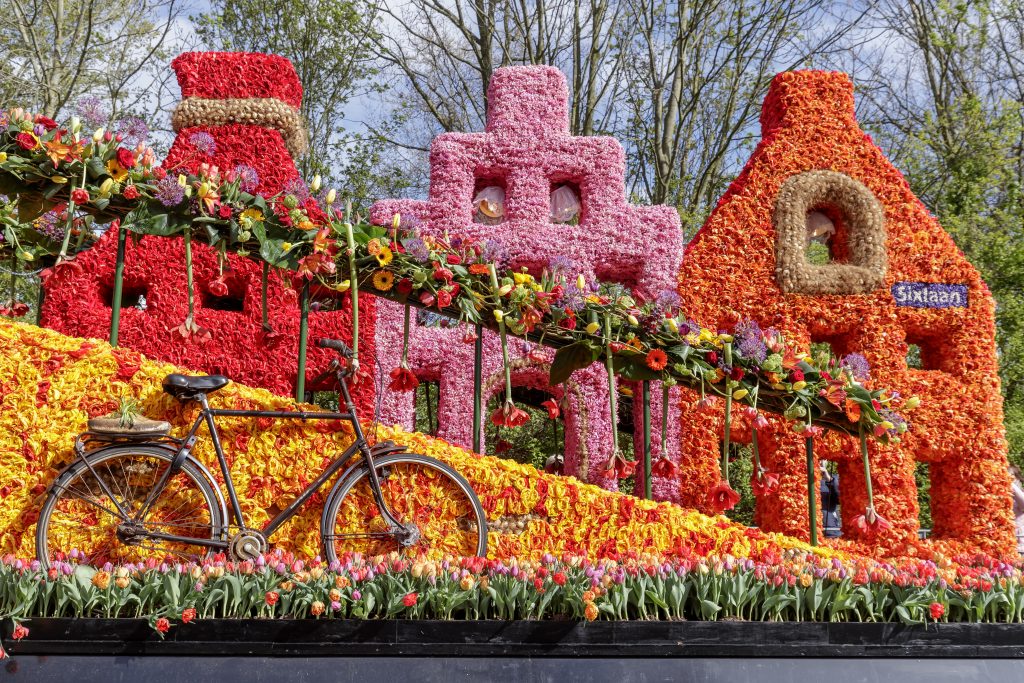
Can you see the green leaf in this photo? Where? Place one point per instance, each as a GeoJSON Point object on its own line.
{"type": "Point", "coordinates": [570, 358]}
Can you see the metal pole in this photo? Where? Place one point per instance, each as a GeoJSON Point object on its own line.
{"type": "Point", "coordinates": [300, 380]}
{"type": "Point", "coordinates": [478, 389]}
{"type": "Point", "coordinates": [647, 438]}
{"type": "Point", "coordinates": [812, 502]}
{"type": "Point", "coordinates": [115, 301]}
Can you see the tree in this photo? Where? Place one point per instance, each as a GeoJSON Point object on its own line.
{"type": "Point", "coordinates": [57, 50]}
{"type": "Point", "coordinates": [943, 96]}
{"type": "Point", "coordinates": [328, 42]}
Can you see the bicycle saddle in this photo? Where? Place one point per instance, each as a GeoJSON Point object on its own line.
{"type": "Point", "coordinates": [186, 388]}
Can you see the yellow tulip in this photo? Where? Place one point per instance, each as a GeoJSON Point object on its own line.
{"type": "Point", "coordinates": [396, 221]}
{"type": "Point", "coordinates": [332, 194]}
{"type": "Point", "coordinates": [632, 319]}
{"type": "Point", "coordinates": [799, 386]}
{"type": "Point", "coordinates": [912, 403]}
{"type": "Point", "coordinates": [581, 283]}
{"type": "Point", "coordinates": [740, 394]}
{"type": "Point", "coordinates": [315, 185]}
{"type": "Point", "coordinates": [592, 328]}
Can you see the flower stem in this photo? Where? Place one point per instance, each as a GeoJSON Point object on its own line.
{"type": "Point", "coordinates": [727, 349]}
{"type": "Point", "coordinates": [354, 286]}
{"type": "Point", "coordinates": [188, 271]}
{"type": "Point", "coordinates": [867, 466]}
{"type": "Point", "coordinates": [812, 500]}
{"type": "Point", "coordinates": [265, 277]}
{"type": "Point", "coordinates": [612, 398]}
{"type": "Point", "coordinates": [405, 338]}
{"type": "Point", "coordinates": [504, 341]}
{"type": "Point", "coordinates": [664, 420]}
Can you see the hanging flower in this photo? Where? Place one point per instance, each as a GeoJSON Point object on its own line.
{"type": "Point", "coordinates": [663, 467]}
{"type": "Point", "coordinates": [509, 416]}
{"type": "Point", "coordinates": [657, 359]}
{"type": "Point", "coordinates": [871, 523]}
{"type": "Point", "coordinates": [218, 287]}
{"type": "Point", "coordinates": [722, 497]}
{"type": "Point", "coordinates": [553, 410]}
{"type": "Point", "coordinates": [403, 379]}
{"type": "Point", "coordinates": [764, 483]}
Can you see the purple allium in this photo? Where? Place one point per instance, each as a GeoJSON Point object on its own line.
{"type": "Point", "coordinates": [415, 247]}
{"type": "Point", "coordinates": [248, 178]}
{"type": "Point", "coordinates": [572, 299]}
{"type": "Point", "coordinates": [92, 112]}
{"type": "Point", "coordinates": [857, 365]}
{"type": "Point", "coordinates": [297, 187]}
{"type": "Point", "coordinates": [133, 130]}
{"type": "Point", "coordinates": [561, 265]}
{"type": "Point", "coordinates": [900, 425]}
{"type": "Point", "coordinates": [203, 142]}
{"type": "Point", "coordinates": [750, 340]}
{"type": "Point", "coordinates": [495, 252]}
{"type": "Point", "coordinates": [169, 192]}
{"type": "Point", "coordinates": [667, 300]}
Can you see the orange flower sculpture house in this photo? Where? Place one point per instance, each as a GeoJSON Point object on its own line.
{"type": "Point", "coordinates": [893, 278]}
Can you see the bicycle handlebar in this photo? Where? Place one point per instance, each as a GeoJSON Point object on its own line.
{"type": "Point", "coordinates": [336, 344]}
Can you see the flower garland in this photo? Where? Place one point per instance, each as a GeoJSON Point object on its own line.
{"type": "Point", "coordinates": [730, 273]}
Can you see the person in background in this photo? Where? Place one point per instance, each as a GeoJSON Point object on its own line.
{"type": "Point", "coordinates": [1018, 506]}
{"type": "Point", "coordinates": [830, 502]}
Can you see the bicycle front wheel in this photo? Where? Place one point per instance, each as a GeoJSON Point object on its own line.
{"type": "Point", "coordinates": [437, 508]}
{"type": "Point", "coordinates": [93, 513]}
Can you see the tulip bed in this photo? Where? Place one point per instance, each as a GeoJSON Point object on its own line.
{"type": "Point", "coordinates": [801, 587]}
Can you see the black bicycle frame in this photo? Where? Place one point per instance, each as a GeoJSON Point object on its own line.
{"type": "Point", "coordinates": [207, 415]}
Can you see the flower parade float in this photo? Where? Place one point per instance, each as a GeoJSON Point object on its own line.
{"type": "Point", "coordinates": [558, 548]}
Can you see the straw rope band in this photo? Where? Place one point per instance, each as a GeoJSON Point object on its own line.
{"type": "Point", "coordinates": [266, 112]}
{"type": "Point", "coordinates": [864, 218]}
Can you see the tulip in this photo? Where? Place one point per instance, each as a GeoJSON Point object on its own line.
{"type": "Point", "coordinates": [581, 283]}
{"type": "Point", "coordinates": [332, 194]}
{"type": "Point", "coordinates": [315, 185]}
{"type": "Point", "coordinates": [97, 135]}
{"type": "Point", "coordinates": [182, 180]}
{"type": "Point", "coordinates": [396, 221]}
{"type": "Point", "coordinates": [107, 186]}
{"type": "Point", "coordinates": [912, 403]}
{"type": "Point", "coordinates": [76, 124]}
{"type": "Point", "coordinates": [592, 328]}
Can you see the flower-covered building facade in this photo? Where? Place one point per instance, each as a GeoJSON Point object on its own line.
{"type": "Point", "coordinates": [891, 282]}
{"type": "Point", "coordinates": [541, 198]}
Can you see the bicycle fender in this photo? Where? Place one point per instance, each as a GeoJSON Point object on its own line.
{"type": "Point", "coordinates": [166, 447]}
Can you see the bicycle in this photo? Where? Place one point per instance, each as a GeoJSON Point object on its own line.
{"type": "Point", "coordinates": [144, 495]}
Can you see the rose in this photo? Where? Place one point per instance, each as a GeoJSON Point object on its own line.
{"type": "Point", "coordinates": [224, 211]}
{"type": "Point", "coordinates": [444, 298]}
{"type": "Point", "coordinates": [404, 286]}
{"type": "Point", "coordinates": [27, 141]}
{"type": "Point", "coordinates": [125, 157]}
{"type": "Point", "coordinates": [80, 196]}
{"type": "Point", "coordinates": [131, 192]}
{"type": "Point", "coordinates": [47, 123]}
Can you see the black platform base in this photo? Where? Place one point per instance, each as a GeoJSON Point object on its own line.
{"type": "Point", "coordinates": [112, 651]}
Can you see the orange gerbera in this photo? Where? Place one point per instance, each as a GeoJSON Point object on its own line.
{"type": "Point", "coordinates": [657, 359]}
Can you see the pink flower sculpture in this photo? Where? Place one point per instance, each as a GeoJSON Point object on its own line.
{"type": "Point", "coordinates": [528, 151]}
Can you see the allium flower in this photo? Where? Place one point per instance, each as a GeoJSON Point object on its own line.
{"type": "Point", "coordinates": [92, 112]}
{"type": "Point", "coordinates": [667, 300]}
{"type": "Point", "coordinates": [495, 252]}
{"type": "Point", "coordinates": [169, 192]}
{"type": "Point", "coordinates": [248, 178]}
{"type": "Point", "coordinates": [415, 247]}
{"type": "Point", "coordinates": [857, 365]}
{"type": "Point", "coordinates": [51, 224]}
{"type": "Point", "coordinates": [203, 142]}
{"type": "Point", "coordinates": [561, 265]}
{"type": "Point", "coordinates": [750, 340]}
{"type": "Point", "coordinates": [297, 187]}
{"type": "Point", "coordinates": [133, 130]}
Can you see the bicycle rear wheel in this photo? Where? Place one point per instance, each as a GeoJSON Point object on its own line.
{"type": "Point", "coordinates": [431, 500]}
{"type": "Point", "coordinates": [93, 509]}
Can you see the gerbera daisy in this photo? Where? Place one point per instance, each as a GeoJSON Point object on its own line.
{"type": "Point", "coordinates": [657, 359]}
{"type": "Point", "coordinates": [383, 280]}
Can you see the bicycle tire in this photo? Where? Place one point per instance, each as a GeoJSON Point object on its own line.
{"type": "Point", "coordinates": [353, 511]}
{"type": "Point", "coordinates": [129, 473]}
